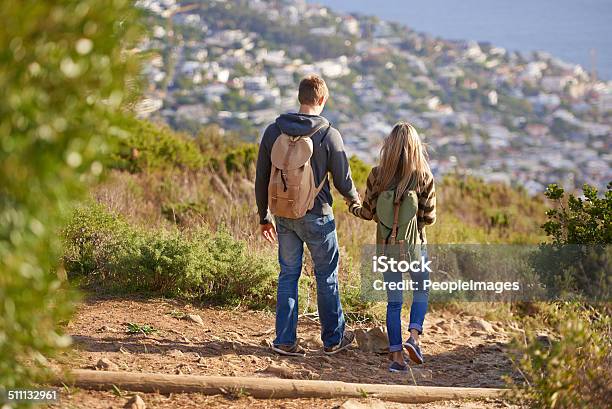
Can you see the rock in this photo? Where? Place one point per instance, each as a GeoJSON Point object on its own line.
{"type": "Point", "coordinates": [175, 353]}
{"type": "Point", "coordinates": [481, 325]}
{"type": "Point", "coordinates": [369, 404]}
{"type": "Point", "coordinates": [313, 342]}
{"type": "Point", "coordinates": [265, 343]}
{"type": "Point", "coordinates": [106, 364]}
{"type": "Point", "coordinates": [135, 402]}
{"type": "Point", "coordinates": [194, 318]}
{"type": "Point", "coordinates": [372, 340]}
{"type": "Point", "coordinates": [280, 371]}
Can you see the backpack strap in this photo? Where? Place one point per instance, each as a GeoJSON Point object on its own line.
{"type": "Point", "coordinates": [320, 187]}
{"type": "Point", "coordinates": [394, 228]}
{"type": "Point", "coordinates": [325, 134]}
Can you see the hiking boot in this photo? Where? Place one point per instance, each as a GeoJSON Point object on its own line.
{"type": "Point", "coordinates": [289, 350]}
{"type": "Point", "coordinates": [398, 368]}
{"type": "Point", "coordinates": [414, 352]}
{"type": "Point", "coordinates": [347, 340]}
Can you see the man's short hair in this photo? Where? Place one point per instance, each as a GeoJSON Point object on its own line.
{"type": "Point", "coordinates": [312, 89]}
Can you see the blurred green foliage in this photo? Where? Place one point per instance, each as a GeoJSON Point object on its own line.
{"type": "Point", "coordinates": [65, 67]}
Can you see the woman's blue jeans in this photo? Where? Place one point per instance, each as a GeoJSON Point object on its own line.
{"type": "Point", "coordinates": [418, 309]}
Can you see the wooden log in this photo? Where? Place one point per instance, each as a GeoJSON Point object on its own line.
{"type": "Point", "coordinates": [266, 388]}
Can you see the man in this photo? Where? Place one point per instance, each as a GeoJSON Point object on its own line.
{"type": "Point", "coordinates": [317, 228]}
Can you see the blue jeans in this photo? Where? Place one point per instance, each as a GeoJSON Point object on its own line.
{"type": "Point", "coordinates": [319, 234]}
{"type": "Point", "coordinates": [418, 309]}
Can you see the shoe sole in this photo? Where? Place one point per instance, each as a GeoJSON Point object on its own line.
{"type": "Point", "coordinates": [412, 353]}
{"type": "Point", "coordinates": [282, 352]}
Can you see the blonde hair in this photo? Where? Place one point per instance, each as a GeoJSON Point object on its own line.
{"type": "Point", "coordinates": [312, 89]}
{"type": "Point", "coordinates": [403, 160]}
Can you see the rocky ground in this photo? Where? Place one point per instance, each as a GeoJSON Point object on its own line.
{"type": "Point", "coordinates": [177, 338]}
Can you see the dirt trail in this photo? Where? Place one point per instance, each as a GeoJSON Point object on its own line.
{"type": "Point", "coordinates": [460, 351]}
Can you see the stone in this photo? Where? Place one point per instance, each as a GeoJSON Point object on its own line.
{"type": "Point", "coordinates": [372, 340]}
{"type": "Point", "coordinates": [175, 353]}
{"type": "Point", "coordinates": [480, 324]}
{"type": "Point", "coordinates": [194, 318]}
{"type": "Point", "coordinates": [135, 402]}
{"type": "Point", "coordinates": [313, 342]}
{"type": "Point", "coordinates": [279, 371]}
{"type": "Point", "coordinates": [106, 364]}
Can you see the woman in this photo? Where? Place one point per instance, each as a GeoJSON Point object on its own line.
{"type": "Point", "coordinates": [403, 167]}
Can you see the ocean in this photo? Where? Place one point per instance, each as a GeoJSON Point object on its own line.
{"type": "Point", "coordinates": [577, 31]}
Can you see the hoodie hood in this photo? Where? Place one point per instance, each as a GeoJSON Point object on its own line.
{"type": "Point", "coordinates": [300, 124]}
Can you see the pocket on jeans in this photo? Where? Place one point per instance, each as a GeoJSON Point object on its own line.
{"type": "Point", "coordinates": [321, 226]}
{"type": "Point", "coordinates": [280, 226]}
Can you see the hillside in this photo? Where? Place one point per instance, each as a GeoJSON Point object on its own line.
{"type": "Point", "coordinates": [170, 191]}
{"type": "Point", "coordinates": [175, 218]}
{"type": "Point", "coordinates": [522, 119]}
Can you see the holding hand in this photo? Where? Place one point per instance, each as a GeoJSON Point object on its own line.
{"type": "Point", "coordinates": [353, 205]}
{"type": "Point", "coordinates": [354, 208]}
{"type": "Point", "coordinates": [268, 231]}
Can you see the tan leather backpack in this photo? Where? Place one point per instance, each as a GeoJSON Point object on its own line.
{"type": "Point", "coordinates": [292, 189]}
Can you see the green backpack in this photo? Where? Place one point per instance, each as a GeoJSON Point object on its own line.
{"type": "Point", "coordinates": [397, 233]}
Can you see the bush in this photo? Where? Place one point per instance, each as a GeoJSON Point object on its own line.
{"type": "Point", "coordinates": [572, 370]}
{"type": "Point", "coordinates": [577, 263]}
{"type": "Point", "coordinates": [147, 147]}
{"type": "Point", "coordinates": [212, 266]}
{"type": "Point", "coordinates": [63, 80]}
{"type": "Point", "coordinates": [579, 221]}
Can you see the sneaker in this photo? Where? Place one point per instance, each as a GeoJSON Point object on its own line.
{"type": "Point", "coordinates": [398, 368]}
{"type": "Point", "coordinates": [414, 352]}
{"type": "Point", "coordinates": [289, 350]}
{"type": "Point", "coordinates": [347, 340]}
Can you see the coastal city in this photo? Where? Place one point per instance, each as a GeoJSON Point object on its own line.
{"type": "Point", "coordinates": [525, 119]}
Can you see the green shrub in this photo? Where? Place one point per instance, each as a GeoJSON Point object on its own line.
{"type": "Point", "coordinates": [579, 221]}
{"type": "Point", "coordinates": [147, 147]}
{"type": "Point", "coordinates": [212, 266]}
{"type": "Point", "coordinates": [577, 263]}
{"type": "Point", "coordinates": [64, 78]}
{"type": "Point", "coordinates": [241, 158]}
{"type": "Point", "coordinates": [573, 367]}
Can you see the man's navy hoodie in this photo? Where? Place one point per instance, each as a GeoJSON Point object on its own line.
{"type": "Point", "coordinates": [328, 156]}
